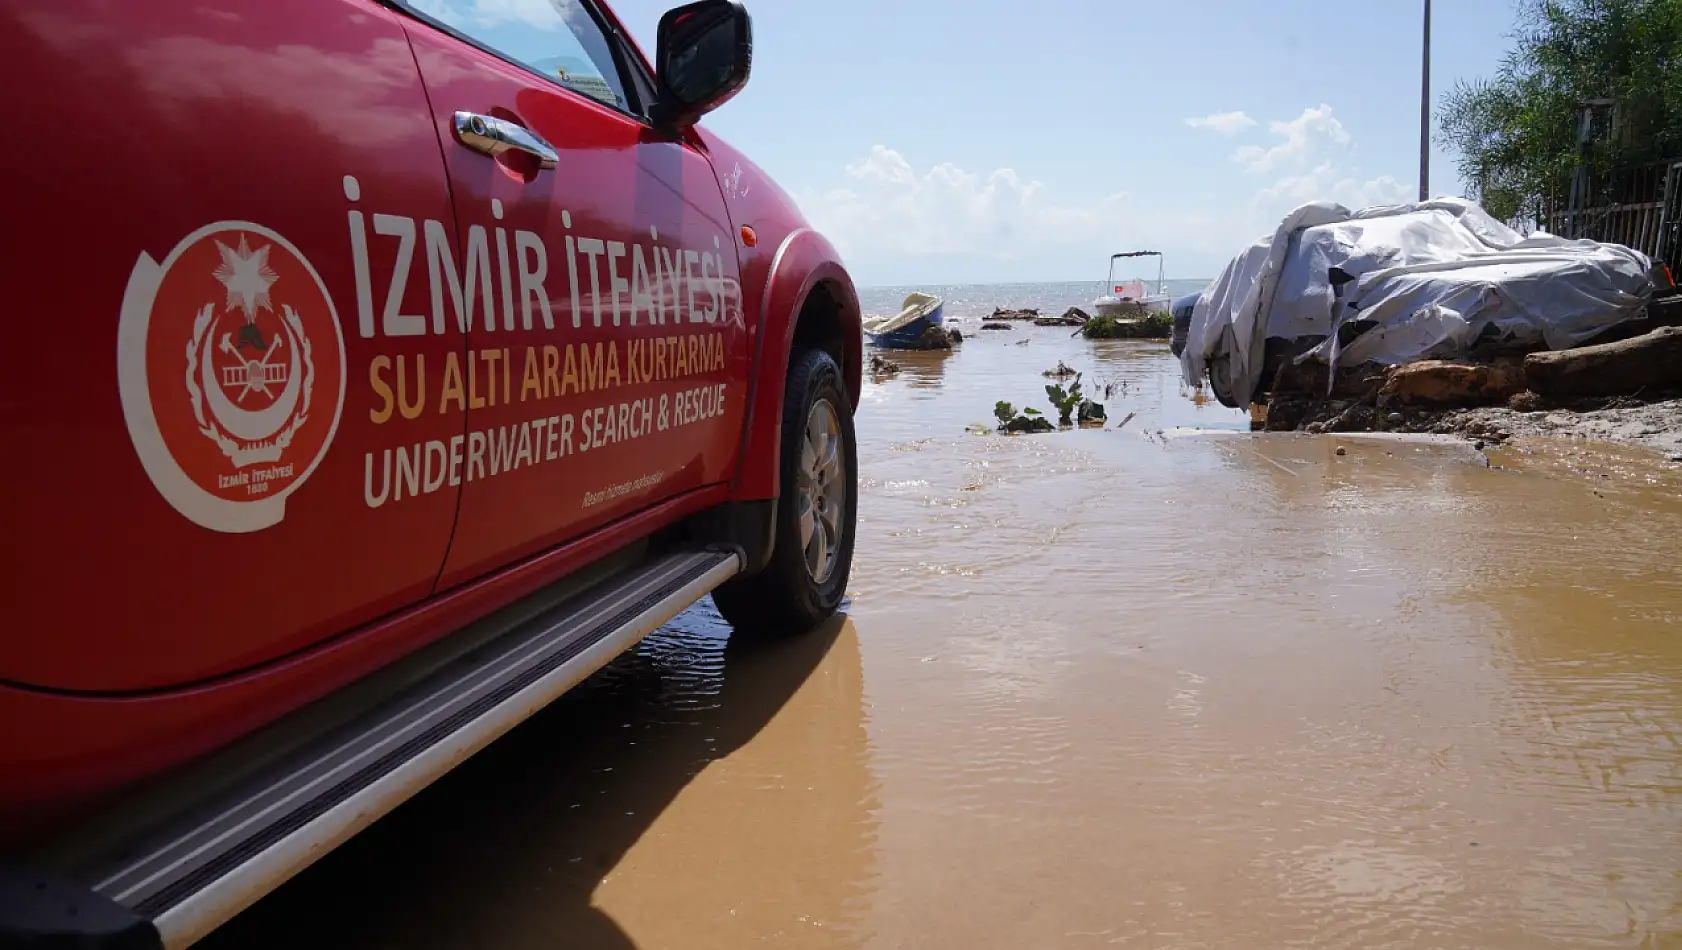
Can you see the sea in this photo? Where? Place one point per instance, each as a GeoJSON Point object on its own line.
{"type": "Point", "coordinates": [967, 303]}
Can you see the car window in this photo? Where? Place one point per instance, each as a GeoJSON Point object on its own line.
{"type": "Point", "coordinates": [559, 39]}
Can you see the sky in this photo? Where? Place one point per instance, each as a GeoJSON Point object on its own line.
{"type": "Point", "coordinates": [938, 141]}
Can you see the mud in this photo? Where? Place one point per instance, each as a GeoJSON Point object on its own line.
{"type": "Point", "coordinates": [1655, 425]}
{"type": "Point", "coordinates": [1165, 684]}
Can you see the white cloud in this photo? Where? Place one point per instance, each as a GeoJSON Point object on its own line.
{"type": "Point", "coordinates": [1325, 182]}
{"type": "Point", "coordinates": [889, 207]}
{"type": "Point", "coordinates": [1303, 136]}
{"type": "Point", "coordinates": [897, 223]}
{"type": "Point", "coordinates": [1223, 123]}
{"type": "Point", "coordinates": [1313, 160]}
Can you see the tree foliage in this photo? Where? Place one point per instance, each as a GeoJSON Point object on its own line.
{"type": "Point", "coordinates": [1517, 132]}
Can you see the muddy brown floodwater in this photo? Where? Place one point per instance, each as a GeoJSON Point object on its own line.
{"type": "Point", "coordinates": [1105, 688]}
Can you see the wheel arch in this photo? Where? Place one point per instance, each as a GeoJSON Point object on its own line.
{"type": "Point", "coordinates": [808, 299]}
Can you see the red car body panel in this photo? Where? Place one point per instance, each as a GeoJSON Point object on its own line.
{"type": "Point", "coordinates": [165, 603]}
{"type": "Point", "coordinates": [186, 118]}
{"type": "Point", "coordinates": [62, 752]}
{"type": "Point", "coordinates": [622, 202]}
{"type": "Point", "coordinates": [786, 262]}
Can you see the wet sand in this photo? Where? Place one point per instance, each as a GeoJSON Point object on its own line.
{"type": "Point", "coordinates": [1145, 688]}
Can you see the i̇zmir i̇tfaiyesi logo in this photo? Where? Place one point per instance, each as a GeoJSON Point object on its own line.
{"type": "Point", "coordinates": [231, 369]}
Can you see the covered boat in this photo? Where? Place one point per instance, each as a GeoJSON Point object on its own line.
{"type": "Point", "coordinates": [917, 314]}
{"type": "Point", "coordinates": [1394, 284]}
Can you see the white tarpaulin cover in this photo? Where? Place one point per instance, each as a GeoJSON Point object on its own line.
{"type": "Point", "coordinates": [1433, 275]}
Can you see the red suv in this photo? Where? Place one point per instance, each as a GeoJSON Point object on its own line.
{"type": "Point", "coordinates": [382, 370]}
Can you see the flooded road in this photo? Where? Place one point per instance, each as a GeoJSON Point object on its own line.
{"type": "Point", "coordinates": [1140, 688]}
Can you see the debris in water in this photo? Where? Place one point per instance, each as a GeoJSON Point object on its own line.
{"type": "Point", "coordinates": [882, 367]}
{"type": "Point", "coordinates": [1000, 313]}
{"type": "Point", "coordinates": [937, 338]}
{"type": "Point", "coordinates": [1028, 420]}
{"type": "Point", "coordinates": [1060, 371]}
{"type": "Point", "coordinates": [994, 325]}
{"type": "Point", "coordinates": [1072, 317]}
{"type": "Point", "coordinates": [1148, 326]}
{"type": "Point", "coordinates": [1071, 406]}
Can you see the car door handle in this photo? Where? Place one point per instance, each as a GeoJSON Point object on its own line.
{"type": "Point", "coordinates": [493, 136]}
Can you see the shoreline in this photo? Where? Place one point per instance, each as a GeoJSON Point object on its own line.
{"type": "Point", "coordinates": [1652, 424]}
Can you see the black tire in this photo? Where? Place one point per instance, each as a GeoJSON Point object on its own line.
{"type": "Point", "coordinates": [785, 598]}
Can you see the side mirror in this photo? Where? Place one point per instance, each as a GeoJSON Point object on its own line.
{"type": "Point", "coordinates": [703, 55]}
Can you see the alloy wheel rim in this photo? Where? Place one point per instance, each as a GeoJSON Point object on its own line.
{"type": "Point", "coordinates": [821, 491]}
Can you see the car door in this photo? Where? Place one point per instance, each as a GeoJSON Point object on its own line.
{"type": "Point", "coordinates": [197, 386]}
{"type": "Point", "coordinates": [595, 273]}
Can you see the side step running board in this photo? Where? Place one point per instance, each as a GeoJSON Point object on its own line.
{"type": "Point", "coordinates": [183, 882]}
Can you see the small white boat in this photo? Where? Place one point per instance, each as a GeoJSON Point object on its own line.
{"type": "Point", "coordinates": [918, 312]}
{"type": "Point", "coordinates": [1129, 297]}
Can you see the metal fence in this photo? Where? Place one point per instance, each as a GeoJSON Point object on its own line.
{"type": "Point", "coordinates": [1639, 207]}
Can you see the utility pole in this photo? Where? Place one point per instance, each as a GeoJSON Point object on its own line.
{"type": "Point", "coordinates": [1425, 112]}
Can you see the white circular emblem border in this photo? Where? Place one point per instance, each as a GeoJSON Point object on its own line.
{"type": "Point", "coordinates": [134, 389]}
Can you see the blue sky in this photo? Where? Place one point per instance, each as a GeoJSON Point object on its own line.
{"type": "Point", "coordinates": [942, 141]}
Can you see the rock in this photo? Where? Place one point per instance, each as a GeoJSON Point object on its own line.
{"type": "Point", "coordinates": [1676, 458]}
{"type": "Point", "coordinates": [1342, 451]}
{"type": "Point", "coordinates": [1315, 427]}
{"type": "Point", "coordinates": [1609, 369]}
{"type": "Point", "coordinates": [1072, 317]}
{"type": "Point", "coordinates": [991, 325]}
{"type": "Point", "coordinates": [1060, 371]}
{"type": "Point", "coordinates": [1286, 412]}
{"type": "Point", "coordinates": [1526, 401]}
{"type": "Point", "coordinates": [1442, 383]}
{"type": "Point", "coordinates": [1395, 418]}
{"type": "Point", "coordinates": [882, 367]}
{"type": "Point", "coordinates": [1352, 382]}
{"type": "Point", "coordinates": [1356, 418]}
{"type": "Point", "coordinates": [936, 338]}
{"type": "Point", "coordinates": [1000, 313]}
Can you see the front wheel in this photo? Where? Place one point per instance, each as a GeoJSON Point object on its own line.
{"type": "Point", "coordinates": [803, 583]}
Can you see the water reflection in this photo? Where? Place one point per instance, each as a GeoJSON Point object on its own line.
{"type": "Point", "coordinates": [697, 793]}
{"type": "Point", "coordinates": [918, 369]}
{"type": "Point", "coordinates": [1128, 376]}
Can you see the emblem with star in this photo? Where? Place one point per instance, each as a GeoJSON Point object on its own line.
{"type": "Point", "coordinates": [247, 276]}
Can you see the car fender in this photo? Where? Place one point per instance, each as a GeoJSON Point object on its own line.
{"type": "Point", "coordinates": [803, 261]}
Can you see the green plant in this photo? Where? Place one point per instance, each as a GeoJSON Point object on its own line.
{"type": "Point", "coordinates": [1517, 132]}
{"type": "Point", "coordinates": [1028, 420]}
{"type": "Point", "coordinates": [1065, 399]}
{"type": "Point", "coordinates": [1153, 325]}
